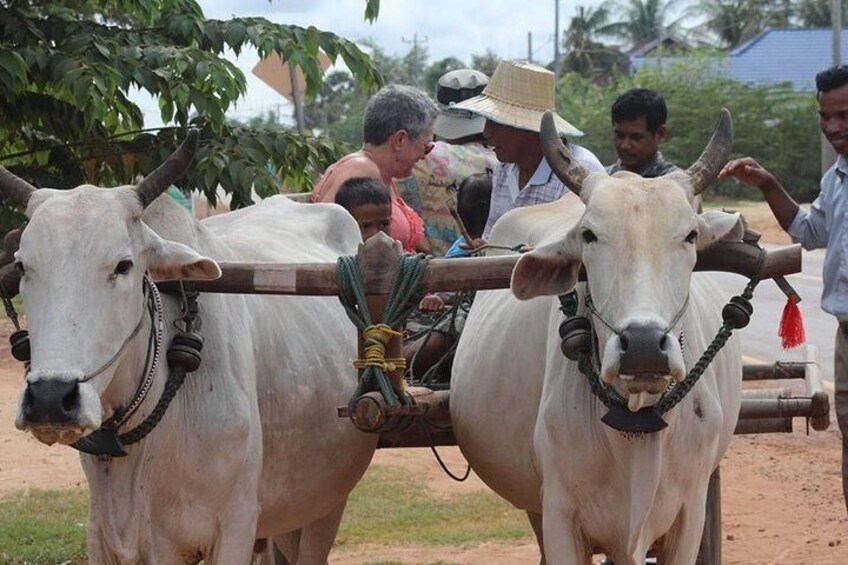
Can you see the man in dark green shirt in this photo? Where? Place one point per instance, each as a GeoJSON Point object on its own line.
{"type": "Point", "coordinates": [638, 121]}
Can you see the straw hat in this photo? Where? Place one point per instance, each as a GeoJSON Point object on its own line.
{"type": "Point", "coordinates": [456, 86]}
{"type": "Point", "coordinates": [518, 95]}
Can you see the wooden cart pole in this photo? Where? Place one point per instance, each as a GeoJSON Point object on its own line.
{"type": "Point", "coordinates": [378, 268]}
{"type": "Point", "coordinates": [710, 550]}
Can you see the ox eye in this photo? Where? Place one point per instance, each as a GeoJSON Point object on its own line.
{"type": "Point", "coordinates": [123, 267]}
{"type": "Point", "coordinates": [693, 235]}
{"type": "Point", "coordinates": [589, 236]}
{"type": "Point", "coordinates": [19, 268]}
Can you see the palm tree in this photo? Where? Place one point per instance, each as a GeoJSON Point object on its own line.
{"type": "Point", "coordinates": [584, 53]}
{"type": "Point", "coordinates": [646, 20]}
{"type": "Point", "coordinates": [816, 13]}
{"type": "Point", "coordinates": [735, 21]}
{"type": "Point", "coordinates": [732, 21]}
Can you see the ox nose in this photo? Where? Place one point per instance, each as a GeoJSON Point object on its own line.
{"type": "Point", "coordinates": [51, 401]}
{"type": "Point", "coordinates": [643, 350]}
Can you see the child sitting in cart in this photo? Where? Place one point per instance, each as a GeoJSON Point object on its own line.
{"type": "Point", "coordinates": [473, 198]}
{"type": "Point", "coordinates": [369, 201]}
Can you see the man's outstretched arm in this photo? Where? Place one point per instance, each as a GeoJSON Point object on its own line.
{"type": "Point", "coordinates": [752, 173]}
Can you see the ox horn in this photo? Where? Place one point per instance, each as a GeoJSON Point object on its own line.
{"type": "Point", "coordinates": [173, 168]}
{"type": "Point", "coordinates": [559, 157]}
{"type": "Point", "coordinates": [715, 154]}
{"type": "Point", "coordinates": [14, 188]}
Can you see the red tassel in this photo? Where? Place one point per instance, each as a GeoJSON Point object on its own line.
{"type": "Point", "coordinates": [791, 329]}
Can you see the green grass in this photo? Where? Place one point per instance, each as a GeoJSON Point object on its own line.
{"type": "Point", "coordinates": [388, 508]}
{"type": "Point", "coordinates": [43, 527]}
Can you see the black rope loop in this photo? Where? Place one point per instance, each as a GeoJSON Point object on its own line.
{"type": "Point", "coordinates": [677, 392]}
{"type": "Point", "coordinates": [176, 373]}
{"type": "Point", "coordinates": [441, 462]}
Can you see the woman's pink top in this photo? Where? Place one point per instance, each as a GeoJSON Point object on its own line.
{"type": "Point", "coordinates": [407, 226]}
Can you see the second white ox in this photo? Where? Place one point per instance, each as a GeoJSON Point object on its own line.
{"type": "Point", "coordinates": [525, 416]}
{"type": "Point", "coordinates": [251, 446]}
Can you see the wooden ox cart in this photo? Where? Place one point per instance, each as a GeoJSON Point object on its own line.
{"type": "Point", "coordinates": [424, 421]}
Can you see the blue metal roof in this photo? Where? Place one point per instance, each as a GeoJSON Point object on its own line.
{"type": "Point", "coordinates": [775, 56]}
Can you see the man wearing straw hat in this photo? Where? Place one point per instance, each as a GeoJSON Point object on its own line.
{"type": "Point", "coordinates": [513, 104]}
{"type": "Point", "coordinates": [458, 153]}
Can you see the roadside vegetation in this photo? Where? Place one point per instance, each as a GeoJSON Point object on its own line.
{"type": "Point", "coordinates": [388, 507]}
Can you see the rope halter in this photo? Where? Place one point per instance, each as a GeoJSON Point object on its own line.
{"type": "Point", "coordinates": [377, 337]}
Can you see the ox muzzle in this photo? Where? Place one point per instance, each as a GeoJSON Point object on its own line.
{"type": "Point", "coordinates": [58, 409]}
{"type": "Point", "coordinates": [642, 356]}
{"type": "Point", "coordinates": [644, 359]}
{"type": "Point", "coordinates": [51, 402]}
{"type": "Point", "coordinates": [644, 351]}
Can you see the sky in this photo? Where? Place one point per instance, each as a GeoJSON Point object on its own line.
{"type": "Point", "coordinates": [457, 28]}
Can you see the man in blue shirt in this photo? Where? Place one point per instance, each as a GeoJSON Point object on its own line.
{"type": "Point", "coordinates": [824, 225]}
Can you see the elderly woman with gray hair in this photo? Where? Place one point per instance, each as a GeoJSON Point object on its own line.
{"type": "Point", "coordinates": [397, 133]}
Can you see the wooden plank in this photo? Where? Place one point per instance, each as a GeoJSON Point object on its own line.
{"type": "Point", "coordinates": [467, 273]}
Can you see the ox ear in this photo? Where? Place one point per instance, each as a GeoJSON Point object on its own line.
{"type": "Point", "coordinates": [170, 261]}
{"type": "Point", "coordinates": [548, 270]}
{"type": "Point", "coordinates": [719, 226]}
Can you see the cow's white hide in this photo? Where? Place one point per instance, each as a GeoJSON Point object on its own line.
{"type": "Point", "coordinates": [251, 446]}
{"type": "Point", "coordinates": [524, 415]}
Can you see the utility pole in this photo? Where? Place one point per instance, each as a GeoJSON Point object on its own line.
{"type": "Point", "coordinates": [828, 155]}
{"type": "Point", "coordinates": [556, 41]}
{"type": "Point", "coordinates": [416, 58]}
{"type": "Point", "coordinates": [529, 46]}
{"type": "Point", "coordinates": [836, 20]}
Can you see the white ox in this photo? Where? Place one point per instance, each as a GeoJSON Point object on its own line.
{"type": "Point", "coordinates": [524, 415]}
{"type": "Point", "coordinates": [251, 446]}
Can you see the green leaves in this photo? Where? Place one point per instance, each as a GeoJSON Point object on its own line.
{"type": "Point", "coordinates": [13, 72]}
{"type": "Point", "coordinates": [372, 10]}
{"type": "Point", "coordinates": [67, 71]}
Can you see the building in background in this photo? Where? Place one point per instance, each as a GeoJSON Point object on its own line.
{"type": "Point", "coordinates": [775, 56]}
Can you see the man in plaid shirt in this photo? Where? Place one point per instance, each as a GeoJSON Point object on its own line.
{"type": "Point", "coordinates": [509, 189]}
{"type": "Point", "coordinates": [513, 104]}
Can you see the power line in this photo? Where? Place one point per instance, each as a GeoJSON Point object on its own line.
{"type": "Point", "coordinates": [542, 46]}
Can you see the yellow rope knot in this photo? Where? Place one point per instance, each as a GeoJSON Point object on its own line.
{"type": "Point", "coordinates": [376, 338]}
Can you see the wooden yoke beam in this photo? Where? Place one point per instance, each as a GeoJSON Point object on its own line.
{"type": "Point", "coordinates": [470, 273]}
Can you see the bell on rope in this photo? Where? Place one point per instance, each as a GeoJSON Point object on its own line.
{"type": "Point", "coordinates": [576, 335]}
{"type": "Point", "coordinates": [19, 343]}
{"type": "Point", "coordinates": [185, 351]}
{"type": "Point", "coordinates": [737, 312]}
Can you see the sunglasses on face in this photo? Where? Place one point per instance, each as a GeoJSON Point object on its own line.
{"type": "Point", "coordinates": [428, 145]}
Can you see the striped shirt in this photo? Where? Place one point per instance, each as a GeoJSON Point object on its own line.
{"type": "Point", "coordinates": [544, 186]}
